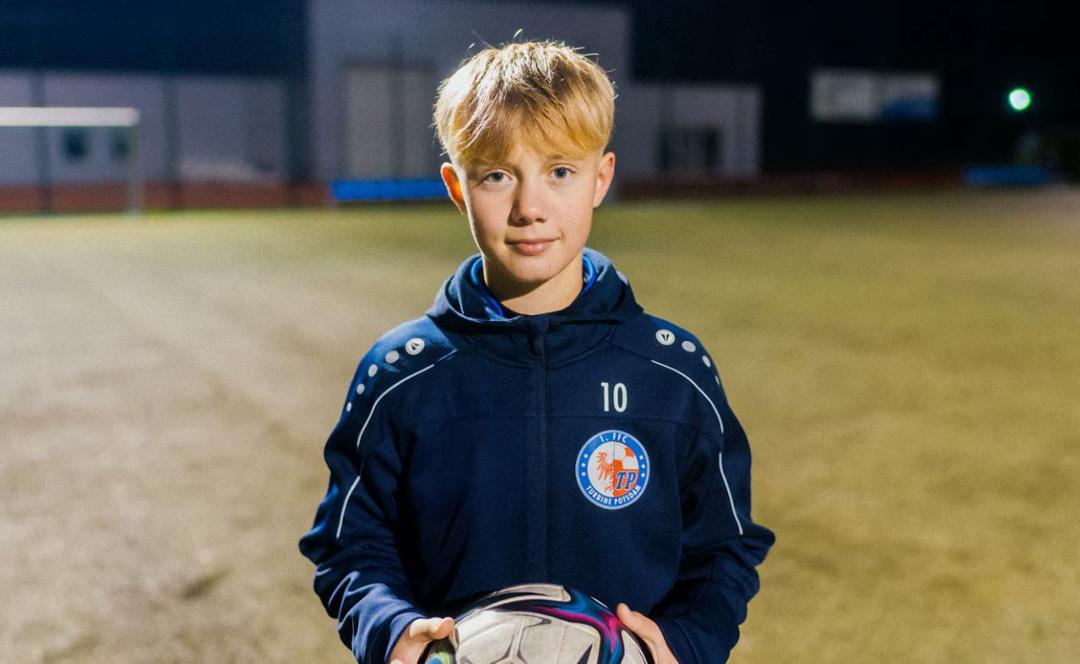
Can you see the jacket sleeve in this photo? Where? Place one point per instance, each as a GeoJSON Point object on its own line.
{"type": "Point", "coordinates": [721, 546]}
{"type": "Point", "coordinates": [359, 575]}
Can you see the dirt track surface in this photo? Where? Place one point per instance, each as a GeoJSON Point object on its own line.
{"type": "Point", "coordinates": [166, 389]}
{"type": "Point", "coordinates": [907, 369]}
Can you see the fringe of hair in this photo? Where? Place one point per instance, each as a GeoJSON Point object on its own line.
{"type": "Point", "coordinates": [543, 94]}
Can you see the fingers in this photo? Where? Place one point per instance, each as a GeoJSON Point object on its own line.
{"type": "Point", "coordinates": [649, 632]}
{"type": "Point", "coordinates": [420, 632]}
{"type": "Point", "coordinates": [431, 628]}
{"type": "Point", "coordinates": [638, 623]}
{"type": "Point", "coordinates": [443, 629]}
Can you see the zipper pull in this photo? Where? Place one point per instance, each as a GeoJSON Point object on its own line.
{"type": "Point", "coordinates": [536, 326]}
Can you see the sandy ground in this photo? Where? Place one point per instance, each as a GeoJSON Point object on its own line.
{"type": "Point", "coordinates": [908, 368]}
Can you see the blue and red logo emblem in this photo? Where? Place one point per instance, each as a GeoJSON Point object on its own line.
{"type": "Point", "coordinates": [612, 469]}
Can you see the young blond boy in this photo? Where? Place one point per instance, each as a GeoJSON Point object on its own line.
{"type": "Point", "coordinates": [536, 425]}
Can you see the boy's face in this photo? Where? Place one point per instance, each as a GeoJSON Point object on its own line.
{"type": "Point", "coordinates": [531, 214]}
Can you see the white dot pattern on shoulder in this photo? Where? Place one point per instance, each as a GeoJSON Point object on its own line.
{"type": "Point", "coordinates": [717, 379]}
{"type": "Point", "coordinates": [360, 388]}
{"type": "Point", "coordinates": [348, 407]}
{"type": "Point", "coordinates": [665, 337]}
{"type": "Point", "coordinates": [689, 346]}
{"type": "Point", "coordinates": [392, 357]}
{"type": "Point", "coordinates": [705, 359]}
{"type": "Point", "coordinates": [414, 346]}
{"type": "Point", "coordinates": [372, 370]}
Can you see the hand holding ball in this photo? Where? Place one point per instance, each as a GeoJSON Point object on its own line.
{"type": "Point", "coordinates": [538, 624]}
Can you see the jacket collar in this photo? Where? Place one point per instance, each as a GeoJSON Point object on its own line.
{"type": "Point", "coordinates": [464, 305]}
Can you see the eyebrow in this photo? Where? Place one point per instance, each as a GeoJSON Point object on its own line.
{"type": "Point", "coordinates": [552, 157]}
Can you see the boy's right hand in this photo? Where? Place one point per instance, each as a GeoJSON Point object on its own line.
{"type": "Point", "coordinates": [417, 635]}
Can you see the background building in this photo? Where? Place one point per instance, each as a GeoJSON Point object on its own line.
{"type": "Point", "coordinates": [349, 100]}
{"type": "Point", "coordinates": [269, 106]}
{"type": "Point", "coordinates": [374, 67]}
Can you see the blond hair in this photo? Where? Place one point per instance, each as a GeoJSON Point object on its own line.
{"type": "Point", "coordinates": [544, 94]}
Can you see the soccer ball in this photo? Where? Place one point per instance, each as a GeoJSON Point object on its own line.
{"type": "Point", "coordinates": [538, 624]}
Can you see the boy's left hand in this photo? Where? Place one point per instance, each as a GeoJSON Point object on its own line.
{"type": "Point", "coordinates": [647, 631]}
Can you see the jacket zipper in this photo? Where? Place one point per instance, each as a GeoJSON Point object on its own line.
{"type": "Point", "coordinates": [539, 516]}
{"type": "Point", "coordinates": [543, 459]}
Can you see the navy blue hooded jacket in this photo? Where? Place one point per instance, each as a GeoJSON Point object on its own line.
{"type": "Point", "coordinates": [591, 447]}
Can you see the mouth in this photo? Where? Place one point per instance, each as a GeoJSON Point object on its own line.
{"type": "Point", "coordinates": [531, 247]}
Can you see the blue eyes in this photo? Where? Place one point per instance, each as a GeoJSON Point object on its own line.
{"type": "Point", "coordinates": [497, 177]}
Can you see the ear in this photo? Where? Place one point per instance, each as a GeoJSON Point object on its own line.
{"type": "Point", "coordinates": [453, 185]}
{"type": "Point", "coordinates": [604, 174]}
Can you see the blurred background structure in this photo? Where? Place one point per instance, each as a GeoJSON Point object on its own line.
{"type": "Point", "coordinates": [273, 106]}
{"type": "Point", "coordinates": [302, 95]}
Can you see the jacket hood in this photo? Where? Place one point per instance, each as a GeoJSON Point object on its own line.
{"type": "Point", "coordinates": [464, 305]}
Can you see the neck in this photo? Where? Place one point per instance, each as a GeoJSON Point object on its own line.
{"type": "Point", "coordinates": [552, 295]}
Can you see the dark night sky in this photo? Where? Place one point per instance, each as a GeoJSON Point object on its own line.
{"type": "Point", "coordinates": [679, 39]}
{"type": "Point", "coordinates": [978, 47]}
{"type": "Point", "coordinates": [189, 36]}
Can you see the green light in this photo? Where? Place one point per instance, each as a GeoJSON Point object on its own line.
{"type": "Point", "coordinates": [1020, 99]}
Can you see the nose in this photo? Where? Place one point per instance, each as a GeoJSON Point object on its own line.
{"type": "Point", "coordinates": [529, 206]}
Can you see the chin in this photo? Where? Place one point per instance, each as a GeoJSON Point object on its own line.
{"type": "Point", "coordinates": [531, 274]}
{"type": "Point", "coordinates": [533, 270]}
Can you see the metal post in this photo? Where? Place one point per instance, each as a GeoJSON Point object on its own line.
{"type": "Point", "coordinates": [135, 172]}
{"type": "Point", "coordinates": [44, 156]}
{"type": "Point", "coordinates": [172, 142]}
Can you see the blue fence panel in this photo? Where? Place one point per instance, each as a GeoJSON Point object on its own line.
{"type": "Point", "coordinates": [1007, 176]}
{"type": "Point", "coordinates": [406, 189]}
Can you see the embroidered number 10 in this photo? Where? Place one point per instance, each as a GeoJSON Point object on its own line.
{"type": "Point", "coordinates": [614, 397]}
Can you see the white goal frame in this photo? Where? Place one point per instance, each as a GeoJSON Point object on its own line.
{"type": "Point", "coordinates": [89, 116]}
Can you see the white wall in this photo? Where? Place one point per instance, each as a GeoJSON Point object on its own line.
{"type": "Point", "coordinates": [231, 129]}
{"type": "Point", "coordinates": [379, 140]}
{"type": "Point", "coordinates": [226, 128]}
{"type": "Point", "coordinates": [139, 91]}
{"type": "Point", "coordinates": [234, 128]}
{"type": "Point", "coordinates": [734, 110]}
{"type": "Point", "coordinates": [17, 146]}
{"type": "Point", "coordinates": [437, 35]}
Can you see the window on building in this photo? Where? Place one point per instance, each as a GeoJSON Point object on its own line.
{"type": "Point", "coordinates": [76, 143]}
{"type": "Point", "coordinates": [120, 144]}
{"type": "Point", "coordinates": [689, 151]}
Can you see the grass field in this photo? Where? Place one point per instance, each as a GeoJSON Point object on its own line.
{"type": "Point", "coordinates": [907, 367]}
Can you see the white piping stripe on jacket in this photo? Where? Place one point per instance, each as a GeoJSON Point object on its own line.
{"type": "Point", "coordinates": [731, 500]}
{"type": "Point", "coordinates": [341, 519]}
{"type": "Point", "coordinates": [379, 398]}
{"type": "Point", "coordinates": [345, 504]}
{"type": "Point", "coordinates": [724, 477]}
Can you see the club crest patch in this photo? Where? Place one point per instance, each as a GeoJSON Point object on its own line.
{"type": "Point", "coordinates": [612, 469]}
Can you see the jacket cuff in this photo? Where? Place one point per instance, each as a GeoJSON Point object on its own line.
{"type": "Point", "coordinates": [677, 641]}
{"type": "Point", "coordinates": [397, 627]}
